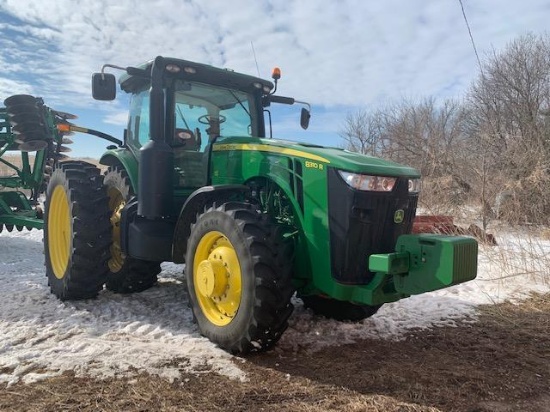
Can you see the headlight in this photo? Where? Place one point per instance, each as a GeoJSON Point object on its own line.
{"type": "Point", "coordinates": [370, 183]}
{"type": "Point", "coordinates": [415, 185]}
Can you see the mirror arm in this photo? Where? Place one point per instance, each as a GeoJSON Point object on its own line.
{"type": "Point", "coordinates": [134, 71]}
{"type": "Point", "coordinates": [304, 103]}
{"type": "Point", "coordinates": [112, 66]}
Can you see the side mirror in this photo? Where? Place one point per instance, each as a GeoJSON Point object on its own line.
{"type": "Point", "coordinates": [103, 86]}
{"type": "Point", "coordinates": [304, 118]}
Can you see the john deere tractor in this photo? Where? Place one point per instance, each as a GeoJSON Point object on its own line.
{"type": "Point", "coordinates": [199, 180]}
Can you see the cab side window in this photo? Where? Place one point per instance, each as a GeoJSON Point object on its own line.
{"type": "Point", "coordinates": [138, 123]}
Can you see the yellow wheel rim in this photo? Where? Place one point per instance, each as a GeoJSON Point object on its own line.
{"type": "Point", "coordinates": [116, 204]}
{"type": "Point", "coordinates": [217, 278]}
{"type": "Point", "coordinates": [59, 232]}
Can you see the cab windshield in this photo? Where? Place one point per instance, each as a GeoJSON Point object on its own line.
{"type": "Point", "coordinates": [210, 111]}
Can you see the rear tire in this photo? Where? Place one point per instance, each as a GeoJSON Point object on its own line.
{"type": "Point", "coordinates": [239, 278]}
{"type": "Point", "coordinates": [337, 309]}
{"type": "Point", "coordinates": [76, 232]}
{"type": "Point", "coordinates": [126, 274]}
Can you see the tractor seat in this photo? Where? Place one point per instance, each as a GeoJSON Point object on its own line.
{"type": "Point", "coordinates": [186, 140]}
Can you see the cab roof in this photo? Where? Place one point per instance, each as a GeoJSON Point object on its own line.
{"type": "Point", "coordinates": [198, 72]}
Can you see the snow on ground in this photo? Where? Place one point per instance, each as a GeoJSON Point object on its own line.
{"type": "Point", "coordinates": [153, 331]}
{"type": "Point", "coordinates": [113, 335]}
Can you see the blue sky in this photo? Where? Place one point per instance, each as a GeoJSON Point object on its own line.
{"type": "Point", "coordinates": [340, 56]}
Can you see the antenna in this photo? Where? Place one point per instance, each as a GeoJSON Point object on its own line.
{"type": "Point", "coordinates": [255, 60]}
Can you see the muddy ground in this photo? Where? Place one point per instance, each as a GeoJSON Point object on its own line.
{"type": "Point", "coordinates": [501, 364]}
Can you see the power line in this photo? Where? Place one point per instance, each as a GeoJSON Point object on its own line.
{"type": "Point", "coordinates": [471, 36]}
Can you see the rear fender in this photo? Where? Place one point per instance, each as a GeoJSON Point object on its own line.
{"type": "Point", "coordinates": [195, 205]}
{"type": "Point", "coordinates": [125, 159]}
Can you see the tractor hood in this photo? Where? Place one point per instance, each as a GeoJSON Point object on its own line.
{"type": "Point", "coordinates": [330, 156]}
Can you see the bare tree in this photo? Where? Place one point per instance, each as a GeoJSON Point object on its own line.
{"type": "Point", "coordinates": [493, 148]}
{"type": "Point", "coordinates": [420, 134]}
{"type": "Point", "coordinates": [361, 132]}
{"type": "Point", "coordinates": [424, 135]}
{"type": "Point", "coordinates": [509, 106]}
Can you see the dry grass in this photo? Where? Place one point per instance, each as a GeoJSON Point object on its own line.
{"type": "Point", "coordinates": [545, 233]}
{"type": "Point", "coordinates": [16, 160]}
{"type": "Point", "coordinates": [500, 364]}
{"type": "Point", "coordinates": [522, 252]}
{"type": "Point", "coordinates": [6, 171]}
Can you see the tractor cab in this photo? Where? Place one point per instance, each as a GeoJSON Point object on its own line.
{"type": "Point", "coordinates": [200, 104]}
{"type": "Point", "coordinates": [196, 115]}
{"type": "Point", "coordinates": [197, 97]}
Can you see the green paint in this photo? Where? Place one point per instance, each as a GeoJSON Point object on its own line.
{"type": "Point", "coordinates": [436, 262]}
{"type": "Point", "coordinates": [125, 158]}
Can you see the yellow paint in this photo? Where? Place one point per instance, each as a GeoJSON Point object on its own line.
{"type": "Point", "coordinates": [59, 232]}
{"type": "Point", "coordinates": [314, 165]}
{"type": "Point", "coordinates": [217, 278]}
{"type": "Point", "coordinates": [116, 204]}
{"type": "Point", "coordinates": [268, 148]}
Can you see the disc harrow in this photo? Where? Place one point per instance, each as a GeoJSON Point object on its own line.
{"type": "Point", "coordinates": [32, 140]}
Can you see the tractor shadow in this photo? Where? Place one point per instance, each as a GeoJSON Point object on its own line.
{"type": "Point", "coordinates": [500, 363]}
{"type": "Point", "coordinates": [18, 247]}
{"type": "Point", "coordinates": [26, 298]}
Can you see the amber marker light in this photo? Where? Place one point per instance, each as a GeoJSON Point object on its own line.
{"type": "Point", "coordinates": [63, 127]}
{"type": "Point", "coordinates": [276, 73]}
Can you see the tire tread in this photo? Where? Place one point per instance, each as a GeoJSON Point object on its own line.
{"type": "Point", "coordinates": [272, 281]}
{"type": "Point", "coordinates": [87, 268]}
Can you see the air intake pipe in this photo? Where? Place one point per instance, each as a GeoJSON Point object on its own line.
{"type": "Point", "coordinates": [156, 166]}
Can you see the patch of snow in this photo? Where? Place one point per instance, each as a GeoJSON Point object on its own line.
{"type": "Point", "coordinates": [113, 335]}
{"type": "Point", "coordinates": [153, 332]}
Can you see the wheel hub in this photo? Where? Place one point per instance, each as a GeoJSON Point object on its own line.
{"type": "Point", "coordinates": [217, 278]}
{"type": "Point", "coordinates": [212, 279]}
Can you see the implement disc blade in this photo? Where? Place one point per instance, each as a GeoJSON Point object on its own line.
{"type": "Point", "coordinates": [28, 128]}
{"type": "Point", "coordinates": [65, 115]}
{"type": "Point", "coordinates": [21, 109]}
{"type": "Point", "coordinates": [25, 137]}
{"type": "Point", "coordinates": [25, 118]}
{"type": "Point", "coordinates": [33, 145]}
{"type": "Point", "coordinates": [20, 99]}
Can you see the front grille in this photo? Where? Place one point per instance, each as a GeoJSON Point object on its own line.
{"type": "Point", "coordinates": [362, 223]}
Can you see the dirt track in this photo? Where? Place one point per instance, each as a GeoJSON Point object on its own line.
{"type": "Point", "coordinates": [501, 364]}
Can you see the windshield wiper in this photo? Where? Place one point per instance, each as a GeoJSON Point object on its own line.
{"type": "Point", "coordinates": [241, 103]}
{"type": "Point", "coordinates": [183, 118]}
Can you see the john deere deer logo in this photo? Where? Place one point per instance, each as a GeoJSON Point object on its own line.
{"type": "Point", "coordinates": [399, 216]}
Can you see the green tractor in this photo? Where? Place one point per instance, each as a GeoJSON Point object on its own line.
{"type": "Point", "coordinates": [199, 181]}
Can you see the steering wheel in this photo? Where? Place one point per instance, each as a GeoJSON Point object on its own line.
{"type": "Point", "coordinates": [207, 119]}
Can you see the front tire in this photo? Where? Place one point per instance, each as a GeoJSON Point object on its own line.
{"type": "Point", "coordinates": [126, 274]}
{"type": "Point", "coordinates": [239, 278]}
{"type": "Point", "coordinates": [76, 231]}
